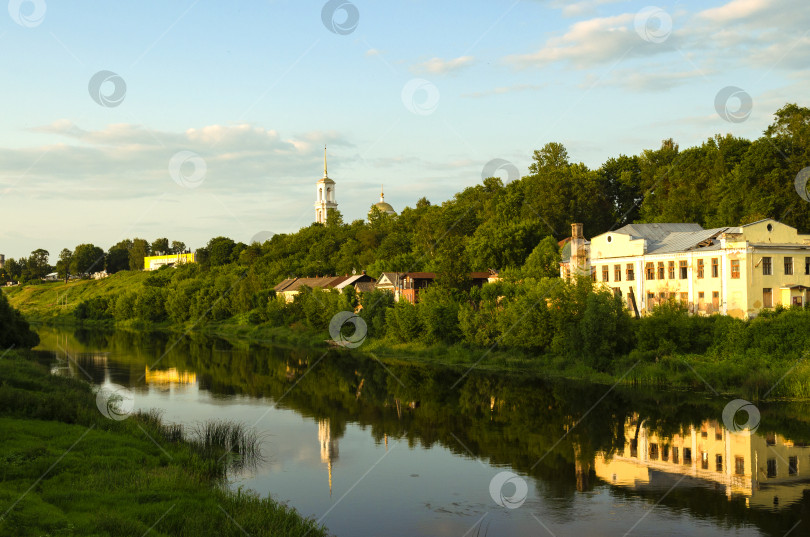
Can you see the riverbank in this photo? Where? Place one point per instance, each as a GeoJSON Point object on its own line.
{"type": "Point", "coordinates": [756, 359]}
{"type": "Point", "coordinates": [68, 470]}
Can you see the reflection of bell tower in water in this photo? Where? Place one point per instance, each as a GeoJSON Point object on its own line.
{"type": "Point", "coordinates": [329, 447]}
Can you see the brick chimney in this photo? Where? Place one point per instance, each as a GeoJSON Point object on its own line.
{"type": "Point", "coordinates": [579, 257]}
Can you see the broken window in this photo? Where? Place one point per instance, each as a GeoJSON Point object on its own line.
{"type": "Point", "coordinates": [671, 267]}
{"type": "Point", "coordinates": [739, 465]}
{"type": "Point", "coordinates": [793, 465]}
{"type": "Point", "coordinates": [718, 463]}
{"type": "Point", "coordinates": [605, 273]}
{"type": "Point", "coordinates": [767, 297]}
{"type": "Point", "coordinates": [660, 270]}
{"type": "Point", "coordinates": [771, 467]}
{"type": "Point", "coordinates": [650, 269]}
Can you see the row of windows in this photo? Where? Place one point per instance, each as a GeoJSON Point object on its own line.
{"type": "Point", "coordinates": [662, 272]}
{"type": "Point", "coordinates": [767, 266]}
{"type": "Point", "coordinates": [739, 462]}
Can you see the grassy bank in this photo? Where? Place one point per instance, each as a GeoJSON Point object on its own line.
{"type": "Point", "coordinates": [68, 470]}
{"type": "Point", "coordinates": [577, 335]}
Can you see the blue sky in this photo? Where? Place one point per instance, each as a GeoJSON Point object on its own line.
{"type": "Point", "coordinates": [415, 95]}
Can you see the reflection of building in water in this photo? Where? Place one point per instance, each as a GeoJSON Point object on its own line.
{"type": "Point", "coordinates": [329, 447]}
{"type": "Point", "coordinates": [169, 376]}
{"type": "Point", "coordinates": [767, 470]}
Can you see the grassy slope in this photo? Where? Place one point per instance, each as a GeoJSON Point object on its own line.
{"type": "Point", "coordinates": [67, 470]}
{"type": "Point", "coordinates": [55, 301]}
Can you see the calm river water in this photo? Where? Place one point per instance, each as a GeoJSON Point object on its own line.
{"type": "Point", "coordinates": [411, 450]}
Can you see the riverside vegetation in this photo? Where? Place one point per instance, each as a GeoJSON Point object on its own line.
{"type": "Point", "coordinates": [67, 470]}
{"type": "Point", "coordinates": [531, 318]}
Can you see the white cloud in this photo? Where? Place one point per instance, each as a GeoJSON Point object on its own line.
{"type": "Point", "coordinates": [594, 41]}
{"type": "Point", "coordinates": [438, 66]}
{"type": "Point", "coordinates": [736, 10]}
{"type": "Point", "coordinates": [583, 7]}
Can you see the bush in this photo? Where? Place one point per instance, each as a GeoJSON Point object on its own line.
{"type": "Point", "coordinates": [14, 329]}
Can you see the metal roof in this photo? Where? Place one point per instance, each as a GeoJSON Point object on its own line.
{"type": "Point", "coordinates": [656, 232]}
{"type": "Point", "coordinates": [684, 241]}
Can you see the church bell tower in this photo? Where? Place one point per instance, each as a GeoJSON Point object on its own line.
{"type": "Point", "coordinates": [325, 199]}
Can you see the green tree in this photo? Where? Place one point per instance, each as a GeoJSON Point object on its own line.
{"type": "Point", "coordinates": [38, 265]}
{"type": "Point", "coordinates": [544, 261]}
{"type": "Point", "coordinates": [160, 246]}
{"type": "Point", "coordinates": [139, 250]}
{"type": "Point", "coordinates": [178, 247]}
{"type": "Point", "coordinates": [87, 258]}
{"type": "Point", "coordinates": [14, 329]}
{"type": "Point", "coordinates": [64, 263]}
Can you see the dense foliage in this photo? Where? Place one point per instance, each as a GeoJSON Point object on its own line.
{"type": "Point", "coordinates": [14, 329]}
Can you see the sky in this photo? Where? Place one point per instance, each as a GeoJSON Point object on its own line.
{"type": "Point", "coordinates": [193, 119]}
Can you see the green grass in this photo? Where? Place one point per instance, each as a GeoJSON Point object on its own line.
{"type": "Point", "coordinates": [54, 302]}
{"type": "Point", "coordinates": [67, 470]}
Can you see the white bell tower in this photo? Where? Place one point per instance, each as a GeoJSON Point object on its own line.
{"type": "Point", "coordinates": [325, 199]}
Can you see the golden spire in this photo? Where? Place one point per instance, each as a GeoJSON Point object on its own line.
{"type": "Point", "coordinates": [382, 194]}
{"type": "Point", "coordinates": [324, 162]}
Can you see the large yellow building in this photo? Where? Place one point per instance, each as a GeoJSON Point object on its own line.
{"type": "Point", "coordinates": [766, 469]}
{"type": "Point", "coordinates": [730, 270]}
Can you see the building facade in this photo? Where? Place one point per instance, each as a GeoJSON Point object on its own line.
{"type": "Point", "coordinates": [155, 262]}
{"type": "Point", "coordinates": [734, 271]}
{"type": "Point", "coordinates": [325, 192]}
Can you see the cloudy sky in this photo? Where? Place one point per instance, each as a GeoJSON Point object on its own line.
{"type": "Point", "coordinates": [195, 118]}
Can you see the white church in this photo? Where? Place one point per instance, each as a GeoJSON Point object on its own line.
{"type": "Point", "coordinates": [325, 199]}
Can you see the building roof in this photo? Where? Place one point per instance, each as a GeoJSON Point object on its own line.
{"type": "Point", "coordinates": [656, 232]}
{"type": "Point", "coordinates": [322, 282]}
{"type": "Point", "coordinates": [365, 287]}
{"type": "Point", "coordinates": [681, 241]}
{"type": "Point", "coordinates": [355, 279]}
{"type": "Point", "coordinates": [385, 207]}
{"type": "Point", "coordinates": [420, 275]}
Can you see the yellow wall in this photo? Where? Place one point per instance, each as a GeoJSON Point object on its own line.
{"type": "Point", "coordinates": [156, 261]}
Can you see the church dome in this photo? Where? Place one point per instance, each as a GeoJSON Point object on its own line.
{"type": "Point", "coordinates": [383, 206]}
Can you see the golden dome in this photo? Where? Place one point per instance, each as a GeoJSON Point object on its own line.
{"type": "Point", "coordinates": [383, 206]}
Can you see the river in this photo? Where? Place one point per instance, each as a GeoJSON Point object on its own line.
{"type": "Point", "coordinates": [399, 449]}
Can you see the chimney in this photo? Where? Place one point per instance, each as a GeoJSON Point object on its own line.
{"type": "Point", "coordinates": [576, 231]}
{"type": "Point", "coordinates": [579, 257]}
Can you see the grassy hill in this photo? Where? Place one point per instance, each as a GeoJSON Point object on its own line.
{"type": "Point", "coordinates": [55, 301]}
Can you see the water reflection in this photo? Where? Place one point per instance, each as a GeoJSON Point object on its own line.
{"type": "Point", "coordinates": [662, 459]}
{"type": "Point", "coordinates": [768, 471]}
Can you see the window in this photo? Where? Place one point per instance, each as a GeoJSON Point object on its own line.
{"type": "Point", "coordinates": [718, 463]}
{"type": "Point", "coordinates": [767, 266]}
{"type": "Point", "coordinates": [767, 297]}
{"type": "Point", "coordinates": [660, 270]}
{"type": "Point", "coordinates": [788, 266]}
{"type": "Point", "coordinates": [735, 268]}
{"type": "Point", "coordinates": [593, 273]}
{"type": "Point", "coordinates": [684, 297]}
{"type": "Point", "coordinates": [771, 467]}
{"type": "Point", "coordinates": [687, 455]}
{"type": "Point", "coordinates": [701, 297]}
{"type": "Point", "coordinates": [684, 269]}
{"type": "Point", "coordinates": [770, 439]}
{"type": "Point", "coordinates": [739, 465]}
{"type": "Point", "coordinates": [664, 453]}
{"type": "Point", "coordinates": [715, 267]}
{"type": "Point", "coordinates": [704, 434]}
{"type": "Point", "coordinates": [704, 460]}
{"type": "Point", "coordinates": [617, 273]}
{"type": "Point", "coordinates": [675, 456]}
{"type": "Point", "coordinates": [650, 269]}
{"type": "Point", "coordinates": [653, 452]}
{"type": "Point", "coordinates": [631, 275]}
{"type": "Point", "coordinates": [807, 266]}
{"type": "Point", "coordinates": [617, 291]}
{"type": "Point", "coordinates": [662, 296]}
{"type": "Point", "coordinates": [718, 434]}
{"type": "Point", "coordinates": [671, 270]}
{"type": "Point", "coordinates": [793, 465]}
{"type": "Point", "coordinates": [605, 273]}
{"type": "Point", "coordinates": [700, 268]}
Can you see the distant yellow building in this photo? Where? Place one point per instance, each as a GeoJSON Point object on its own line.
{"type": "Point", "coordinates": [730, 270]}
{"type": "Point", "coordinates": [156, 261]}
{"type": "Point", "coordinates": [767, 470]}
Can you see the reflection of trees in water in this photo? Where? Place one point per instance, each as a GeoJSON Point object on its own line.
{"type": "Point", "coordinates": [548, 429]}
